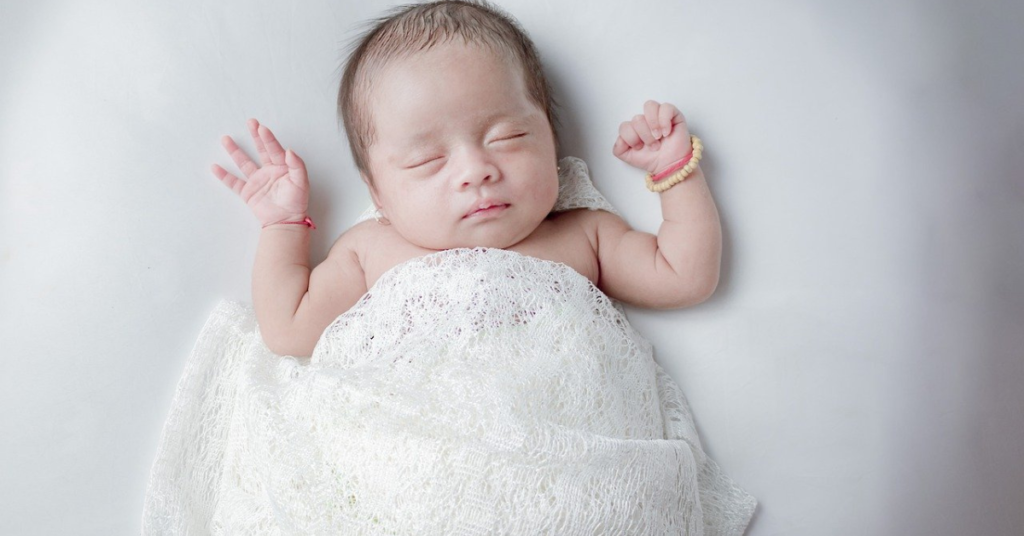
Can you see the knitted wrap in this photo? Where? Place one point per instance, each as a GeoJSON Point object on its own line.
{"type": "Point", "coordinates": [469, 391]}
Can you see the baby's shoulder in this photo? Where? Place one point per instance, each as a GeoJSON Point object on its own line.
{"type": "Point", "coordinates": [603, 229]}
{"type": "Point", "coordinates": [587, 221]}
{"type": "Point", "coordinates": [352, 242]}
{"type": "Point", "coordinates": [572, 237]}
{"type": "Point", "coordinates": [376, 248]}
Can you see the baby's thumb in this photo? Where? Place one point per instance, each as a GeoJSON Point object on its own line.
{"type": "Point", "coordinates": [296, 169]}
{"type": "Point", "coordinates": [293, 159]}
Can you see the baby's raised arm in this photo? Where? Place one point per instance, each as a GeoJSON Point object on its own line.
{"type": "Point", "coordinates": [680, 266]}
{"type": "Point", "coordinates": [293, 304]}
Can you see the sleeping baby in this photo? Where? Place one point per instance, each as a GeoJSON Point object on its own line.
{"type": "Point", "coordinates": [460, 361]}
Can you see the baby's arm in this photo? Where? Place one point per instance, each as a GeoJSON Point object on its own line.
{"type": "Point", "coordinates": [680, 266]}
{"type": "Point", "coordinates": [293, 304]}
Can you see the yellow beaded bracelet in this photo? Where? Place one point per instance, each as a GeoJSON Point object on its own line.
{"type": "Point", "coordinates": [682, 174]}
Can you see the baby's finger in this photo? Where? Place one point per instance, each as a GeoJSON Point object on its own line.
{"type": "Point", "coordinates": [296, 169]}
{"type": "Point", "coordinates": [274, 148]}
{"type": "Point", "coordinates": [641, 127]}
{"type": "Point", "coordinates": [651, 113]}
{"type": "Point", "coordinates": [629, 135]}
{"type": "Point", "coordinates": [234, 183]}
{"type": "Point", "coordinates": [620, 147]}
{"type": "Point", "coordinates": [241, 159]}
{"type": "Point", "coordinates": [254, 127]}
{"type": "Point", "coordinates": [669, 115]}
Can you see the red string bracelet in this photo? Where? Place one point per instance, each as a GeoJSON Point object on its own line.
{"type": "Point", "coordinates": [671, 177]}
{"type": "Point", "coordinates": [307, 222]}
{"type": "Point", "coordinates": [673, 168]}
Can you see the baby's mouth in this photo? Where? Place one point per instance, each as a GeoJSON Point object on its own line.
{"type": "Point", "coordinates": [491, 209]}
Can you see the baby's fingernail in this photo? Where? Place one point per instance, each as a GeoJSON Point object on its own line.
{"type": "Point", "coordinates": [656, 132]}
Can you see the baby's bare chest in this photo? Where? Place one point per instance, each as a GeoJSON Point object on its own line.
{"type": "Point", "coordinates": [563, 237]}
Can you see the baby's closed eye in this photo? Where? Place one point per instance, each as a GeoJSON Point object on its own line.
{"type": "Point", "coordinates": [510, 137]}
{"type": "Point", "coordinates": [419, 162]}
{"type": "Point", "coordinates": [509, 141]}
{"type": "Point", "coordinates": [505, 138]}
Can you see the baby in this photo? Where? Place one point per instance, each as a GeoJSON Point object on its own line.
{"type": "Point", "coordinates": [467, 370]}
{"type": "Point", "coordinates": [451, 125]}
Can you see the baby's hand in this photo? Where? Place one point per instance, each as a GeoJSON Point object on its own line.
{"type": "Point", "coordinates": [654, 140]}
{"type": "Point", "coordinates": [276, 191]}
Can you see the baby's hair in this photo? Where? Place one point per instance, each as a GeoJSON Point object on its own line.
{"type": "Point", "coordinates": [411, 28]}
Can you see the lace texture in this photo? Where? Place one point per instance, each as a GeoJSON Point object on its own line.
{"type": "Point", "coordinates": [470, 391]}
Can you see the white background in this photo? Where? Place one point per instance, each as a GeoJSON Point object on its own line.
{"type": "Point", "coordinates": [858, 370]}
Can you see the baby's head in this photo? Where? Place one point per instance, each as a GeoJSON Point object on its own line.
{"type": "Point", "coordinates": [445, 106]}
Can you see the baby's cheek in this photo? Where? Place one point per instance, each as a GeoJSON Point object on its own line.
{"type": "Point", "coordinates": [550, 192]}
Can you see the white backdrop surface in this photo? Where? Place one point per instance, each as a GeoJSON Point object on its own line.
{"type": "Point", "coordinates": [858, 369]}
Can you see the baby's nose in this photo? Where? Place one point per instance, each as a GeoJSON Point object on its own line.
{"type": "Point", "coordinates": [478, 170]}
{"type": "Point", "coordinates": [477, 178]}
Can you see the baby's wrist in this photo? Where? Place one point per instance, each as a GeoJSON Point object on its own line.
{"type": "Point", "coordinates": [291, 222]}
{"type": "Point", "coordinates": [678, 171]}
{"type": "Point", "coordinates": [676, 162]}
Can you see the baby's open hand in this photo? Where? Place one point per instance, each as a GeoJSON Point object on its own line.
{"type": "Point", "coordinates": [655, 139]}
{"type": "Point", "coordinates": [277, 190]}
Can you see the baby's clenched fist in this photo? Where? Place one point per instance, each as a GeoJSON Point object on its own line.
{"type": "Point", "coordinates": [655, 139]}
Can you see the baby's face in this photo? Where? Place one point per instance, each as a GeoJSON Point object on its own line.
{"type": "Point", "coordinates": [455, 129]}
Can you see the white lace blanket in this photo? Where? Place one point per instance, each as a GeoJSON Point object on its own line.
{"type": "Point", "coordinates": [470, 391]}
